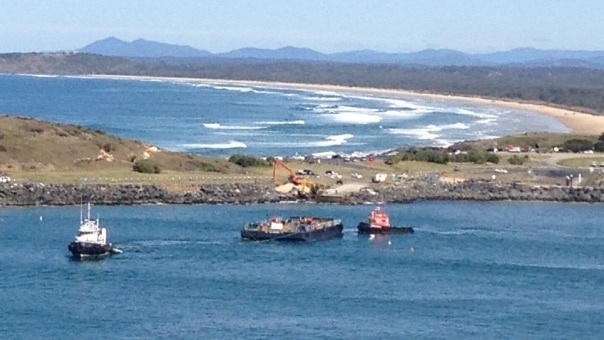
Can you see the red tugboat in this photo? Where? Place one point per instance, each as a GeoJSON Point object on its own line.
{"type": "Point", "coordinates": [379, 223]}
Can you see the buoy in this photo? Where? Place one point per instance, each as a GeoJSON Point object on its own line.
{"type": "Point", "coordinates": [389, 242]}
{"type": "Point", "coordinates": [41, 218]}
{"type": "Point", "coordinates": [411, 249]}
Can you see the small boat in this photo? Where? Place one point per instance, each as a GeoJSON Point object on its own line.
{"type": "Point", "coordinates": [379, 223]}
{"type": "Point", "coordinates": [91, 241]}
{"type": "Point", "coordinates": [293, 229]}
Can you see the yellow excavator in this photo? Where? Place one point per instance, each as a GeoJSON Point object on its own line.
{"type": "Point", "coordinates": [304, 185]}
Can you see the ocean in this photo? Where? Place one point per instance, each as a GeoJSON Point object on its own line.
{"type": "Point", "coordinates": [219, 120]}
{"type": "Point", "coordinates": [471, 271]}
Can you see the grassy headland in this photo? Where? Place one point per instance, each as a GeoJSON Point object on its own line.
{"type": "Point", "coordinates": [42, 152]}
{"type": "Point", "coordinates": [33, 150]}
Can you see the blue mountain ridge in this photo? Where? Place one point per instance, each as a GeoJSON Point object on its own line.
{"type": "Point", "coordinates": [532, 57]}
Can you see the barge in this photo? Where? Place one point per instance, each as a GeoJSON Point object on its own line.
{"type": "Point", "coordinates": [293, 229]}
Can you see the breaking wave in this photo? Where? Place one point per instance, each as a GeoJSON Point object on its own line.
{"type": "Point", "coordinates": [285, 122]}
{"type": "Point", "coordinates": [218, 126]}
{"type": "Point", "coordinates": [230, 145]}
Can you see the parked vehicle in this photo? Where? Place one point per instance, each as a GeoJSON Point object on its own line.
{"type": "Point", "coordinates": [379, 177]}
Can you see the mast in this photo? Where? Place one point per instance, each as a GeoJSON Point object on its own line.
{"type": "Point", "coordinates": [88, 216]}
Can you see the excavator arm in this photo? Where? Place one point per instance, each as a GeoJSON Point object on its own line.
{"type": "Point", "coordinates": [307, 186]}
{"type": "Point", "coordinates": [292, 175]}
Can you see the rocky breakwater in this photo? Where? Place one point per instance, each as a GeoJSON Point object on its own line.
{"type": "Point", "coordinates": [32, 194]}
{"type": "Point", "coordinates": [476, 191]}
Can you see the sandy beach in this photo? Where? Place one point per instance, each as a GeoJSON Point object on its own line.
{"type": "Point", "coordinates": [577, 122]}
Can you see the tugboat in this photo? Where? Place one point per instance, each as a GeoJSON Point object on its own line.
{"type": "Point", "coordinates": [293, 229]}
{"type": "Point", "coordinates": [379, 223]}
{"type": "Point", "coordinates": [91, 241]}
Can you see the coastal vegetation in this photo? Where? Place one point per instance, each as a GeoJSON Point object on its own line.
{"type": "Point", "coordinates": [575, 88]}
{"type": "Point", "coordinates": [146, 166]}
{"type": "Point", "coordinates": [55, 151]}
{"type": "Point", "coordinates": [443, 156]}
{"type": "Point", "coordinates": [246, 161]}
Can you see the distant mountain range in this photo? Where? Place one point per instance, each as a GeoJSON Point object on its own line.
{"type": "Point", "coordinates": [522, 57]}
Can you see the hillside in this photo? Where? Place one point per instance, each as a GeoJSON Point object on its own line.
{"type": "Point", "coordinates": [32, 146]}
{"type": "Point", "coordinates": [521, 57]}
{"type": "Point", "coordinates": [140, 48]}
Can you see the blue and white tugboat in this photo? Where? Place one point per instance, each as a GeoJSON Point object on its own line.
{"type": "Point", "coordinates": [91, 241]}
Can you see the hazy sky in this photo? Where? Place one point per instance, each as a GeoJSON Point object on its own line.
{"type": "Point", "coordinates": [324, 25]}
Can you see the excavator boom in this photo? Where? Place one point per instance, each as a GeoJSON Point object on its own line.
{"type": "Point", "coordinates": [306, 184]}
{"type": "Point", "coordinates": [292, 175]}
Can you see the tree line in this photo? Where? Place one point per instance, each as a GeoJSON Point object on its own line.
{"type": "Point", "coordinates": [571, 87]}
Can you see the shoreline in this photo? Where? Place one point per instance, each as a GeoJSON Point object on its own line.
{"type": "Point", "coordinates": [578, 122]}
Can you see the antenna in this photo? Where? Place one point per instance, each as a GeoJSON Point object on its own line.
{"type": "Point", "coordinates": [88, 211]}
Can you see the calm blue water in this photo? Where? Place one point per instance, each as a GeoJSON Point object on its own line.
{"type": "Point", "coordinates": [478, 270]}
{"type": "Point", "coordinates": [221, 120]}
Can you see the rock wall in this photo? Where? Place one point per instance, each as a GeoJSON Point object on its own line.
{"type": "Point", "coordinates": [482, 191]}
{"type": "Point", "coordinates": [29, 194]}
{"type": "Point", "coordinates": [64, 194]}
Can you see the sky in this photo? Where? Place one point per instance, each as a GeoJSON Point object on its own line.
{"type": "Point", "coordinates": [327, 26]}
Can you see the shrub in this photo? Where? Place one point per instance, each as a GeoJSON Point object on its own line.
{"type": "Point", "coordinates": [477, 157]}
{"type": "Point", "coordinates": [599, 146]}
{"type": "Point", "coordinates": [578, 145]}
{"type": "Point", "coordinates": [492, 158]}
{"type": "Point", "coordinates": [394, 159]}
{"type": "Point", "coordinates": [247, 161]}
{"type": "Point", "coordinates": [146, 166]}
{"type": "Point", "coordinates": [108, 147]}
{"type": "Point", "coordinates": [515, 160]}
